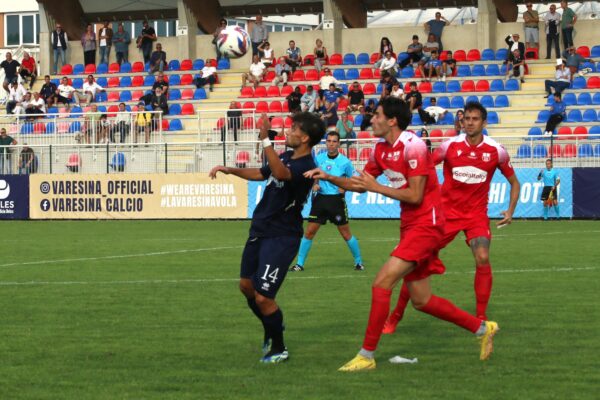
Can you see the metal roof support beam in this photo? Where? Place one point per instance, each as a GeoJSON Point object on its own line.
{"type": "Point", "coordinates": [68, 13]}
{"type": "Point", "coordinates": [186, 35]}
{"type": "Point", "coordinates": [354, 13]}
{"type": "Point", "coordinates": [333, 23]}
{"type": "Point", "coordinates": [506, 10]}
{"type": "Point", "coordinates": [486, 24]}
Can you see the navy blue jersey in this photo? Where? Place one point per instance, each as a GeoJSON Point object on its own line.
{"type": "Point", "coordinates": [279, 213]}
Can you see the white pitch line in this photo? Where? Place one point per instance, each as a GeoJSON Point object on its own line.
{"type": "Point", "coordinates": [293, 278]}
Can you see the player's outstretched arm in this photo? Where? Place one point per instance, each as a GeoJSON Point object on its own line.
{"type": "Point", "coordinates": [515, 190]}
{"type": "Point", "coordinates": [339, 181]}
{"type": "Point", "coordinates": [250, 174]}
{"type": "Point", "coordinates": [278, 169]}
{"type": "Point", "coordinates": [413, 194]}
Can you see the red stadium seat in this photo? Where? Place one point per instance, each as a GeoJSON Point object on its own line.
{"type": "Point", "coordinates": [425, 87]}
{"type": "Point", "coordinates": [66, 69]}
{"type": "Point", "coordinates": [450, 133]}
{"type": "Point", "coordinates": [369, 88]}
{"type": "Point", "coordinates": [114, 68]}
{"type": "Point", "coordinates": [113, 96]}
{"type": "Point", "coordinates": [242, 158]}
{"type": "Point", "coordinates": [593, 82]}
{"type": "Point", "coordinates": [112, 111]}
{"type": "Point", "coordinates": [186, 65]}
{"type": "Point", "coordinates": [343, 104]}
{"type": "Point", "coordinates": [269, 76]}
{"type": "Point", "coordinates": [188, 109]}
{"type": "Point", "coordinates": [557, 150]}
{"type": "Point", "coordinates": [564, 132]}
{"type": "Point", "coordinates": [312, 75]}
{"type": "Point", "coordinates": [165, 124]}
{"type": "Point", "coordinates": [444, 55]}
{"type": "Point", "coordinates": [39, 127]}
{"type": "Point", "coordinates": [187, 94]}
{"type": "Point", "coordinates": [211, 62]}
{"type": "Point", "coordinates": [473, 55]}
{"type": "Point", "coordinates": [377, 73]}
{"type": "Point", "coordinates": [273, 91]}
{"type": "Point", "coordinates": [532, 54]}
{"type": "Point", "coordinates": [366, 73]}
{"type": "Point", "coordinates": [248, 123]}
{"type": "Point", "coordinates": [286, 90]}
{"type": "Point", "coordinates": [287, 122]}
{"type": "Point", "coordinates": [137, 81]}
{"type": "Point", "coordinates": [309, 59]}
{"type": "Point", "coordinates": [570, 151]}
{"type": "Point", "coordinates": [262, 107]}
{"type": "Point", "coordinates": [583, 51]}
{"type": "Point", "coordinates": [406, 87]}
{"type": "Point", "coordinates": [460, 55]}
{"type": "Point", "coordinates": [220, 123]}
{"type": "Point", "coordinates": [467, 86]}
{"type": "Point", "coordinates": [435, 135]}
{"type": "Point", "coordinates": [113, 81]}
{"type": "Point", "coordinates": [482, 86]}
{"type": "Point", "coordinates": [580, 130]}
{"type": "Point", "coordinates": [285, 107]}
{"type": "Point", "coordinates": [374, 58]}
{"type": "Point", "coordinates": [187, 79]}
{"type": "Point", "coordinates": [336, 59]}
{"type": "Point", "coordinates": [249, 105]}
{"type": "Point", "coordinates": [90, 69]}
{"type": "Point", "coordinates": [137, 66]}
{"type": "Point", "coordinates": [260, 91]}
{"type": "Point", "coordinates": [275, 107]}
{"type": "Point", "coordinates": [136, 95]}
{"type": "Point", "coordinates": [364, 135]}
{"type": "Point", "coordinates": [247, 92]}
{"type": "Point", "coordinates": [352, 154]}
{"type": "Point", "coordinates": [298, 75]}
{"type": "Point", "coordinates": [365, 154]}
{"type": "Point", "coordinates": [277, 123]}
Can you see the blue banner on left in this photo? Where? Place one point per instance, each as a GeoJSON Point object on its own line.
{"type": "Point", "coordinates": [14, 196]}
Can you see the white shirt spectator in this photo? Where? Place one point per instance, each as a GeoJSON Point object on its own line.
{"type": "Point", "coordinates": [257, 69]}
{"type": "Point", "coordinates": [397, 93]}
{"type": "Point", "coordinates": [65, 90]}
{"type": "Point", "coordinates": [39, 104]}
{"type": "Point", "coordinates": [563, 75]}
{"type": "Point", "coordinates": [387, 64]}
{"type": "Point", "coordinates": [431, 46]}
{"type": "Point", "coordinates": [92, 88]}
{"type": "Point", "coordinates": [102, 33]}
{"type": "Point", "coordinates": [208, 71]}
{"type": "Point", "coordinates": [268, 55]}
{"type": "Point", "coordinates": [17, 94]}
{"type": "Point", "coordinates": [435, 112]}
{"type": "Point", "coordinates": [123, 116]}
{"type": "Point", "coordinates": [327, 80]}
{"type": "Point", "coordinates": [552, 17]}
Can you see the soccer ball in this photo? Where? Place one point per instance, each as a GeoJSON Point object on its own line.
{"type": "Point", "coordinates": [233, 42]}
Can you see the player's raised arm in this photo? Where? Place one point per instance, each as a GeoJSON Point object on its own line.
{"type": "Point", "coordinates": [278, 169]}
{"type": "Point", "coordinates": [250, 174]}
{"type": "Point", "coordinates": [339, 181]}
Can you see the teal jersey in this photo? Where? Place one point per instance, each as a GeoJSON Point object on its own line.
{"type": "Point", "coordinates": [338, 166]}
{"type": "Point", "coordinates": [549, 177]}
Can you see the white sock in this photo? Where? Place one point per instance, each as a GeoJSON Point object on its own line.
{"type": "Point", "coordinates": [367, 353]}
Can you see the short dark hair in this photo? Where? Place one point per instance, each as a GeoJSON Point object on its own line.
{"type": "Point", "coordinates": [415, 37]}
{"type": "Point", "coordinates": [46, 76]}
{"type": "Point", "coordinates": [432, 99]}
{"type": "Point", "coordinates": [548, 159]}
{"type": "Point", "coordinates": [413, 84]}
{"type": "Point", "coordinates": [393, 107]}
{"type": "Point", "coordinates": [333, 133]}
{"type": "Point", "coordinates": [558, 95]}
{"type": "Point", "coordinates": [311, 125]}
{"type": "Point", "coordinates": [475, 105]}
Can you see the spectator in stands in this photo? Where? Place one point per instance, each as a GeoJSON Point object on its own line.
{"type": "Point", "coordinates": [90, 89]}
{"type": "Point", "coordinates": [436, 27]}
{"type": "Point", "coordinates": [384, 46]}
{"type": "Point", "coordinates": [325, 81]}
{"type": "Point", "coordinates": [294, 100]}
{"type": "Point", "coordinates": [162, 83]}
{"type": "Point", "coordinates": [23, 105]}
{"type": "Point", "coordinates": [282, 72]}
{"type": "Point", "coordinates": [206, 75]}
{"type": "Point", "coordinates": [234, 120]}
{"type": "Point", "coordinates": [293, 56]}
{"type": "Point", "coordinates": [121, 39]}
{"type": "Point", "coordinates": [320, 53]}
{"type": "Point", "coordinates": [532, 29]}
{"type": "Point", "coordinates": [515, 66]}
{"type": "Point", "coordinates": [344, 127]}
{"type": "Point", "coordinates": [573, 59]}
{"type": "Point", "coordinates": [37, 105]}
{"type": "Point", "coordinates": [414, 97]}
{"type": "Point", "coordinates": [397, 90]}
{"type": "Point", "coordinates": [562, 79]}
{"type": "Point", "coordinates": [552, 21]}
{"type": "Point", "coordinates": [5, 152]}
{"type": "Point", "coordinates": [10, 67]}
{"type": "Point", "coordinates": [28, 69]}
{"type": "Point", "coordinates": [308, 100]}
{"type": "Point", "coordinates": [256, 72]}
{"type": "Point", "coordinates": [458, 121]}
{"type": "Point", "coordinates": [48, 91]}
{"type": "Point", "coordinates": [158, 59]}
{"type": "Point", "coordinates": [105, 37]}
{"type": "Point", "coordinates": [430, 46]}
{"type": "Point", "coordinates": [59, 41]}
{"type": "Point", "coordinates": [367, 112]}
{"type": "Point", "coordinates": [432, 114]}
{"type": "Point", "coordinates": [268, 56]}
{"type": "Point", "coordinates": [328, 112]}
{"type": "Point", "coordinates": [415, 52]}
{"type": "Point", "coordinates": [567, 22]}
{"type": "Point", "coordinates": [88, 43]}
{"type": "Point", "coordinates": [387, 82]}
{"type": "Point", "coordinates": [104, 129]}
{"type": "Point", "coordinates": [122, 124]}
{"type": "Point", "coordinates": [92, 125]}
{"type": "Point", "coordinates": [258, 35]}
{"type": "Point", "coordinates": [513, 43]}
{"type": "Point", "coordinates": [144, 41]}
{"type": "Point", "coordinates": [159, 103]}
{"type": "Point", "coordinates": [64, 92]}
{"type": "Point", "coordinates": [425, 138]}
{"type": "Point", "coordinates": [142, 123]}
{"type": "Point", "coordinates": [332, 95]}
{"type": "Point", "coordinates": [433, 67]}
{"type": "Point", "coordinates": [27, 162]}
{"type": "Point", "coordinates": [557, 114]}
{"type": "Point", "coordinates": [16, 94]}
{"type": "Point", "coordinates": [448, 66]}
{"type": "Point", "coordinates": [216, 33]}
{"type": "Point", "coordinates": [356, 96]}
{"type": "Point", "coordinates": [388, 64]}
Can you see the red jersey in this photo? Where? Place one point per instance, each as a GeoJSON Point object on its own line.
{"type": "Point", "coordinates": [29, 64]}
{"type": "Point", "coordinates": [468, 171]}
{"type": "Point", "coordinates": [406, 158]}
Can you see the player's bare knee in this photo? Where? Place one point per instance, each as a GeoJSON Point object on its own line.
{"type": "Point", "coordinates": [266, 305]}
{"type": "Point", "coordinates": [246, 288]}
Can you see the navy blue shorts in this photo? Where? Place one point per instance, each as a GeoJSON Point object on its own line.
{"type": "Point", "coordinates": [266, 260]}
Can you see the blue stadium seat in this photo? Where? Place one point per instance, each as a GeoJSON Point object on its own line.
{"type": "Point", "coordinates": [439, 87]}
{"type": "Point", "coordinates": [503, 69]}
{"type": "Point", "coordinates": [492, 70]}
{"type": "Point", "coordinates": [50, 127]}
{"type": "Point", "coordinates": [535, 131]}
{"type": "Point", "coordinates": [402, 56]}
{"type": "Point", "coordinates": [594, 130]}
{"type": "Point", "coordinates": [363, 58]}
{"type": "Point", "coordinates": [524, 151]}
{"type": "Point", "coordinates": [492, 117]}
{"type": "Point", "coordinates": [174, 65]}
{"type": "Point", "coordinates": [101, 97]}
{"type": "Point", "coordinates": [585, 150]}
{"type": "Point", "coordinates": [52, 110]}
{"type": "Point", "coordinates": [589, 116]}
{"type": "Point", "coordinates": [457, 102]}
{"type": "Point", "coordinates": [379, 88]}
{"type": "Point", "coordinates": [511, 85]}
{"type": "Point", "coordinates": [487, 55]}
{"type": "Point", "coordinates": [176, 125]}
{"type": "Point", "coordinates": [426, 102]}
{"type": "Point", "coordinates": [447, 120]}
{"type": "Point", "coordinates": [200, 94]}
{"type": "Point", "coordinates": [352, 74]}
{"type": "Point", "coordinates": [78, 69]}
{"type": "Point", "coordinates": [487, 101]}
{"type": "Point", "coordinates": [118, 162]}
{"type": "Point", "coordinates": [339, 74]}
{"type": "Point", "coordinates": [543, 116]}
{"type": "Point", "coordinates": [472, 99]}
{"type": "Point", "coordinates": [125, 96]}
{"type": "Point", "coordinates": [416, 119]}
{"type": "Point", "coordinates": [175, 109]}
{"type": "Point", "coordinates": [407, 72]}
{"type": "Point", "coordinates": [102, 109]}
{"type": "Point", "coordinates": [127, 108]}
{"type": "Point", "coordinates": [463, 70]}
{"type": "Point", "coordinates": [597, 150]}
{"type": "Point", "coordinates": [198, 64]}
{"type": "Point", "coordinates": [76, 112]}
{"type": "Point", "coordinates": [126, 68]}
{"type": "Point", "coordinates": [579, 83]}
{"type": "Point", "coordinates": [443, 102]}
{"type": "Point", "coordinates": [27, 128]}
{"type": "Point", "coordinates": [584, 99]}
{"type": "Point", "coordinates": [349, 59]}
{"type": "Point", "coordinates": [478, 70]}
{"type": "Point", "coordinates": [589, 65]}
{"type": "Point", "coordinates": [451, 86]}
{"type": "Point", "coordinates": [358, 119]}
{"type": "Point", "coordinates": [174, 94]}
{"type": "Point", "coordinates": [501, 54]}
{"type": "Point", "coordinates": [224, 63]}
{"type": "Point", "coordinates": [149, 80]}
{"type": "Point", "coordinates": [174, 80]}
{"type": "Point", "coordinates": [125, 81]}
{"type": "Point", "coordinates": [595, 53]}
{"type": "Point", "coordinates": [540, 151]}
{"type": "Point", "coordinates": [102, 68]}
{"type": "Point", "coordinates": [55, 81]}
{"type": "Point", "coordinates": [102, 81]}
{"type": "Point", "coordinates": [78, 83]}
{"type": "Point", "coordinates": [501, 101]}
{"type": "Point", "coordinates": [596, 99]}
{"type": "Point", "coordinates": [574, 116]}
{"type": "Point", "coordinates": [497, 85]}
{"type": "Point", "coordinates": [344, 88]}
{"type": "Point", "coordinates": [75, 127]}
{"type": "Point", "coordinates": [569, 99]}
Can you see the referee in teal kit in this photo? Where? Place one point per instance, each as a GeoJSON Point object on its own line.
{"type": "Point", "coordinates": [329, 203]}
{"type": "Point", "coordinates": [551, 181]}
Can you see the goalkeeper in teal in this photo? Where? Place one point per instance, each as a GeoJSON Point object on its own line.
{"type": "Point", "coordinates": [329, 203]}
{"type": "Point", "coordinates": [549, 194]}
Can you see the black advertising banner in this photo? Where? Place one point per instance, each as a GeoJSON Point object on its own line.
{"type": "Point", "coordinates": [14, 196]}
{"type": "Point", "coordinates": [586, 192]}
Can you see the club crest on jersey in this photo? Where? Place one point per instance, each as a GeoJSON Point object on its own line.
{"type": "Point", "coordinates": [458, 153]}
{"type": "Point", "coordinates": [472, 155]}
{"type": "Point", "coordinates": [486, 157]}
{"type": "Point", "coordinates": [412, 163]}
{"type": "Point", "coordinates": [392, 155]}
{"type": "Point", "coordinates": [328, 168]}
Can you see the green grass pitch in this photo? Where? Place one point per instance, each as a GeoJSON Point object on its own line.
{"type": "Point", "coordinates": [151, 310]}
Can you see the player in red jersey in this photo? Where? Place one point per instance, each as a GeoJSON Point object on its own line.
{"type": "Point", "coordinates": [404, 159]}
{"type": "Point", "coordinates": [470, 160]}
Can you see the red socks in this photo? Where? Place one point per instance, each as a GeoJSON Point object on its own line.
{"type": "Point", "coordinates": [443, 309]}
{"type": "Point", "coordinates": [380, 307]}
{"type": "Point", "coordinates": [403, 299]}
{"type": "Point", "coordinates": [483, 288]}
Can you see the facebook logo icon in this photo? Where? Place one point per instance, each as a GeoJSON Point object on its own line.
{"type": "Point", "coordinates": [45, 205]}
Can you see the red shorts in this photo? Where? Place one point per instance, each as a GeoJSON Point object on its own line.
{"type": "Point", "coordinates": [421, 244]}
{"type": "Point", "coordinates": [473, 227]}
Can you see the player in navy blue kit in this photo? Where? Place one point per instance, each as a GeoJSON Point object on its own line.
{"type": "Point", "coordinates": [276, 227]}
{"type": "Point", "coordinates": [329, 203]}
